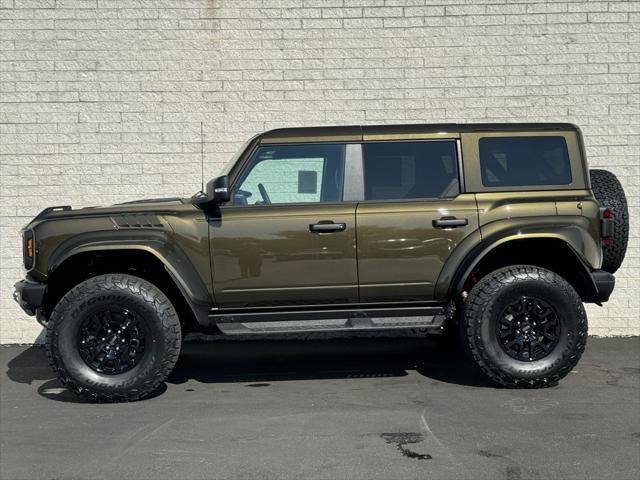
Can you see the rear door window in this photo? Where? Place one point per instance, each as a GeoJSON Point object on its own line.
{"type": "Point", "coordinates": [522, 161]}
{"type": "Point", "coordinates": [410, 170]}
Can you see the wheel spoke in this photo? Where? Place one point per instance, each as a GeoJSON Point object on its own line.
{"type": "Point", "coordinates": [116, 330]}
{"type": "Point", "coordinates": [527, 329]}
{"type": "Point", "coordinates": [91, 358]}
{"type": "Point", "coordinates": [102, 360]}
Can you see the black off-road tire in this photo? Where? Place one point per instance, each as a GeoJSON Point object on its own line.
{"type": "Point", "coordinates": [155, 311]}
{"type": "Point", "coordinates": [486, 303]}
{"type": "Point", "coordinates": [610, 194]}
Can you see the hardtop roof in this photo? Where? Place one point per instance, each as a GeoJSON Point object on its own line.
{"type": "Point", "coordinates": [357, 132]}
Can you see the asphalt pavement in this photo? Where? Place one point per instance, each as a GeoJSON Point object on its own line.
{"type": "Point", "coordinates": [327, 409]}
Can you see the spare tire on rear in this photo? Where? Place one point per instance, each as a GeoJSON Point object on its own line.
{"type": "Point", "coordinates": [609, 194]}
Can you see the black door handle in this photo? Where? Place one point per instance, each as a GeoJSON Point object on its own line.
{"type": "Point", "coordinates": [327, 227]}
{"type": "Point", "coordinates": [450, 222]}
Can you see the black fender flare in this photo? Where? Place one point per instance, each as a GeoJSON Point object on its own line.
{"type": "Point", "coordinates": [175, 261]}
{"type": "Point", "coordinates": [474, 248]}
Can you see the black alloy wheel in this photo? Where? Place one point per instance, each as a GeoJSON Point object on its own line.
{"type": "Point", "coordinates": [112, 341]}
{"type": "Point", "coordinates": [528, 329]}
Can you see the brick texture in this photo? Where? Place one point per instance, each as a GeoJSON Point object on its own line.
{"type": "Point", "coordinates": [101, 100]}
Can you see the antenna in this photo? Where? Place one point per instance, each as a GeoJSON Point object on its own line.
{"type": "Point", "coordinates": [201, 158]}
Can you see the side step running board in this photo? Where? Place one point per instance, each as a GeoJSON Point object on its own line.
{"type": "Point", "coordinates": [241, 323]}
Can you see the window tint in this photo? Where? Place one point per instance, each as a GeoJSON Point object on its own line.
{"type": "Point", "coordinates": [292, 174]}
{"type": "Point", "coordinates": [519, 161]}
{"type": "Point", "coordinates": [406, 170]}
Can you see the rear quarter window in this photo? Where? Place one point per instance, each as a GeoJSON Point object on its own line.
{"type": "Point", "coordinates": [523, 161]}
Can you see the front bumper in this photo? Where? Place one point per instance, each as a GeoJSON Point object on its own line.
{"type": "Point", "coordinates": [29, 295]}
{"type": "Point", "coordinates": [604, 283]}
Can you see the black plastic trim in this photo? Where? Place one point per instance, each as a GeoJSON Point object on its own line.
{"type": "Point", "coordinates": [450, 222]}
{"type": "Point", "coordinates": [29, 295]}
{"type": "Point", "coordinates": [605, 283]}
{"type": "Point", "coordinates": [198, 309]}
{"type": "Point", "coordinates": [428, 324]}
{"type": "Point", "coordinates": [59, 208]}
{"type": "Point", "coordinates": [232, 316]}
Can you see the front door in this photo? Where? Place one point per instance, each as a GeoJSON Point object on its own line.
{"type": "Point", "coordinates": [286, 238]}
{"type": "Point", "coordinates": [412, 217]}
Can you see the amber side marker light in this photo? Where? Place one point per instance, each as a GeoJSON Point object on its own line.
{"type": "Point", "coordinates": [27, 250]}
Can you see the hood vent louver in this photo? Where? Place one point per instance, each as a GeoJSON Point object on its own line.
{"type": "Point", "coordinates": [137, 221]}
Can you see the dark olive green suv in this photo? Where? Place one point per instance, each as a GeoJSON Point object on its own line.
{"type": "Point", "coordinates": [499, 232]}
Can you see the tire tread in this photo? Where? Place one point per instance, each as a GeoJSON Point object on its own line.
{"type": "Point", "coordinates": [121, 283]}
{"type": "Point", "coordinates": [487, 288]}
{"type": "Point", "coordinates": [609, 193]}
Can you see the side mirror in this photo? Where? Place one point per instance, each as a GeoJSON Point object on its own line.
{"type": "Point", "coordinates": [218, 190]}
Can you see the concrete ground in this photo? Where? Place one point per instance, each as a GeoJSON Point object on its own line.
{"type": "Point", "coordinates": [330, 409]}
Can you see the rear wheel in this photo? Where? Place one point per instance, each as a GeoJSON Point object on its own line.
{"type": "Point", "coordinates": [113, 338]}
{"type": "Point", "coordinates": [610, 194]}
{"type": "Point", "coordinates": [524, 326]}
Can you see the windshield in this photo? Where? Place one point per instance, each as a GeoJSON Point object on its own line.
{"type": "Point", "coordinates": [229, 165]}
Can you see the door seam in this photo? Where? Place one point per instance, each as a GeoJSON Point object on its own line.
{"type": "Point", "coordinates": [355, 222]}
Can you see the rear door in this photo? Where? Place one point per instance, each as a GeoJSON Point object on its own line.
{"type": "Point", "coordinates": [411, 219]}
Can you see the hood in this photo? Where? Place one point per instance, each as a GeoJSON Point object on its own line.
{"type": "Point", "coordinates": [170, 200]}
{"type": "Point", "coordinates": [149, 205]}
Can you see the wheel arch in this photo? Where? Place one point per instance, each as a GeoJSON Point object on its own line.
{"type": "Point", "coordinates": [162, 265]}
{"type": "Point", "coordinates": [550, 250]}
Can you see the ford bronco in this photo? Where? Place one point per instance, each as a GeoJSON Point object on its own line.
{"type": "Point", "coordinates": [496, 231]}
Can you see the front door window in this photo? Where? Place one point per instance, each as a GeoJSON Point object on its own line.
{"type": "Point", "coordinates": [283, 174]}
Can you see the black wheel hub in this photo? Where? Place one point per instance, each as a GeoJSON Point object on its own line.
{"type": "Point", "coordinates": [111, 341]}
{"type": "Point", "coordinates": [528, 329]}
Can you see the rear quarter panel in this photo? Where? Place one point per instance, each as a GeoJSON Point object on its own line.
{"type": "Point", "coordinates": [568, 212]}
{"type": "Point", "coordinates": [548, 214]}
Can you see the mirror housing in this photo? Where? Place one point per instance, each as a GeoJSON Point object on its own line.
{"type": "Point", "coordinates": [217, 191]}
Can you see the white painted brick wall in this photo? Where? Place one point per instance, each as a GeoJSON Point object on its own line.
{"type": "Point", "coordinates": [101, 99]}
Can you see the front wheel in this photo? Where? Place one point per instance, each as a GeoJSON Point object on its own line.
{"type": "Point", "coordinates": [524, 326]}
{"type": "Point", "coordinates": [113, 338]}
